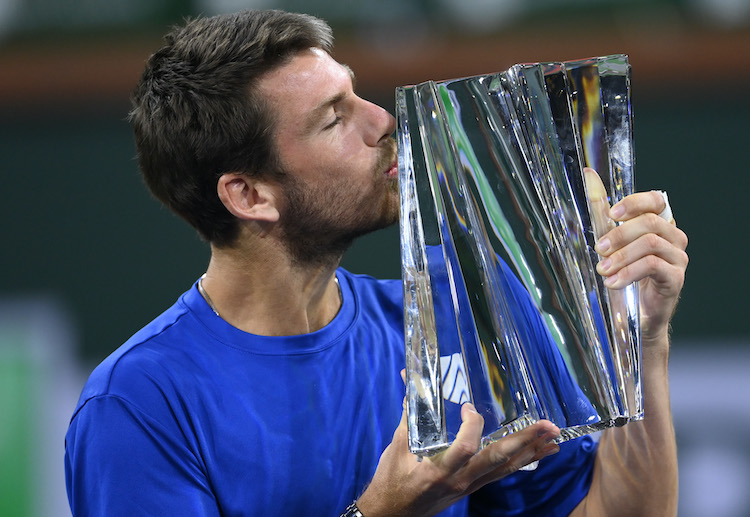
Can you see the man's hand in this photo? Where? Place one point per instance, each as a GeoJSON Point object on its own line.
{"type": "Point", "coordinates": [404, 486]}
{"type": "Point", "coordinates": [648, 249]}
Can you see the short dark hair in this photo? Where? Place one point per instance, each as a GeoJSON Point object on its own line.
{"type": "Point", "coordinates": [196, 114]}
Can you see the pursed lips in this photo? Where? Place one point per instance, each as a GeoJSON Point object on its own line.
{"type": "Point", "coordinates": [392, 170]}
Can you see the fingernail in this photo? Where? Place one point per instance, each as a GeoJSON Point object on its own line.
{"type": "Point", "coordinates": [610, 281]}
{"type": "Point", "coordinates": [602, 246]}
{"type": "Point", "coordinates": [548, 436]}
{"type": "Point", "coordinates": [470, 407]}
{"type": "Point", "coordinates": [617, 211]}
{"type": "Point", "coordinates": [604, 265]}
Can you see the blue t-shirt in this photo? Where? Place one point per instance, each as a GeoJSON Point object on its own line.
{"type": "Point", "coordinates": [194, 417]}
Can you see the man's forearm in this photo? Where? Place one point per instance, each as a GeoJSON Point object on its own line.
{"type": "Point", "coordinates": [636, 466]}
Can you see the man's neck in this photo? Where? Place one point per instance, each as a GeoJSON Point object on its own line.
{"type": "Point", "coordinates": [270, 294]}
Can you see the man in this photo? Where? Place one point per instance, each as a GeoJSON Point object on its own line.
{"type": "Point", "coordinates": [272, 387]}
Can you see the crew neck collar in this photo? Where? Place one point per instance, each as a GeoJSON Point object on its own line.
{"type": "Point", "coordinates": [276, 345]}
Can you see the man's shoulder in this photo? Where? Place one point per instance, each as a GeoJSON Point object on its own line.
{"type": "Point", "coordinates": [370, 286]}
{"type": "Point", "coordinates": [142, 354]}
{"type": "Point", "coordinates": [378, 310]}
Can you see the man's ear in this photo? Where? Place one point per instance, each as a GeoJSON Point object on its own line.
{"type": "Point", "coordinates": [248, 198]}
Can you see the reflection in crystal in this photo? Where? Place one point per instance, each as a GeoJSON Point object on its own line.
{"type": "Point", "coordinates": [499, 217]}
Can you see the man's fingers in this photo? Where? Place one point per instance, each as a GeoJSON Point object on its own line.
{"type": "Point", "coordinates": [640, 259]}
{"type": "Point", "coordinates": [669, 278]}
{"type": "Point", "coordinates": [512, 452]}
{"type": "Point", "coordinates": [638, 227]}
{"type": "Point", "coordinates": [467, 441]}
{"type": "Point", "coordinates": [637, 204]}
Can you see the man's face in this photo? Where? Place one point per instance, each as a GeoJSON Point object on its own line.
{"type": "Point", "coordinates": [337, 153]}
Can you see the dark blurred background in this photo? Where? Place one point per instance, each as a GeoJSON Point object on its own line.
{"type": "Point", "coordinates": [81, 234]}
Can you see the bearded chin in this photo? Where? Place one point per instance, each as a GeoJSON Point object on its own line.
{"type": "Point", "coordinates": [316, 230]}
{"type": "Point", "coordinates": [320, 222]}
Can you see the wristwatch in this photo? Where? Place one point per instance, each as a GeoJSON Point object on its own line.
{"type": "Point", "coordinates": [352, 511]}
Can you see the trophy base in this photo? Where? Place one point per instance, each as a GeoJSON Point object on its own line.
{"type": "Point", "coordinates": [566, 433]}
{"type": "Point", "coordinates": [570, 433]}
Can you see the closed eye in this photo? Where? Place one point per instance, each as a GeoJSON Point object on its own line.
{"type": "Point", "coordinates": [333, 124]}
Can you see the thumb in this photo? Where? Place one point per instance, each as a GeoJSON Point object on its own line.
{"type": "Point", "coordinates": [403, 425]}
{"type": "Point", "coordinates": [401, 433]}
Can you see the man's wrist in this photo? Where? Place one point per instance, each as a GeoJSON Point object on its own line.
{"type": "Point", "coordinates": [352, 511]}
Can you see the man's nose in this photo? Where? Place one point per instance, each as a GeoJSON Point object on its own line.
{"type": "Point", "coordinates": [382, 124]}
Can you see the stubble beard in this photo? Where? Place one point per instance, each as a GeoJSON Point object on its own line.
{"type": "Point", "coordinates": [320, 223]}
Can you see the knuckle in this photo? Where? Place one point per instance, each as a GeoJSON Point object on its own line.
{"type": "Point", "coordinates": [653, 222]}
{"type": "Point", "coordinates": [684, 259]}
{"type": "Point", "coordinates": [460, 486]}
{"type": "Point", "coordinates": [632, 204]}
{"type": "Point", "coordinates": [621, 256]}
{"type": "Point", "coordinates": [501, 454]}
{"type": "Point", "coordinates": [443, 481]}
{"type": "Point", "coordinates": [682, 240]}
{"type": "Point", "coordinates": [616, 236]}
{"type": "Point", "coordinates": [652, 262]}
{"type": "Point", "coordinates": [464, 449]}
{"type": "Point", "coordinates": [498, 457]}
{"type": "Point", "coordinates": [653, 241]}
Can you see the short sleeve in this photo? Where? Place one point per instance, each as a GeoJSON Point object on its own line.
{"type": "Point", "coordinates": [121, 462]}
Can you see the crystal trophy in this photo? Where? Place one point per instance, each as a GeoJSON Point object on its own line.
{"type": "Point", "coordinates": [506, 181]}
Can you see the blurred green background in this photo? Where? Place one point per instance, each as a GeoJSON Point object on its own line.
{"type": "Point", "coordinates": [79, 228]}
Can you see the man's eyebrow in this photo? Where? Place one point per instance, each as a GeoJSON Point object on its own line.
{"type": "Point", "coordinates": [351, 75]}
{"type": "Point", "coordinates": [317, 112]}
